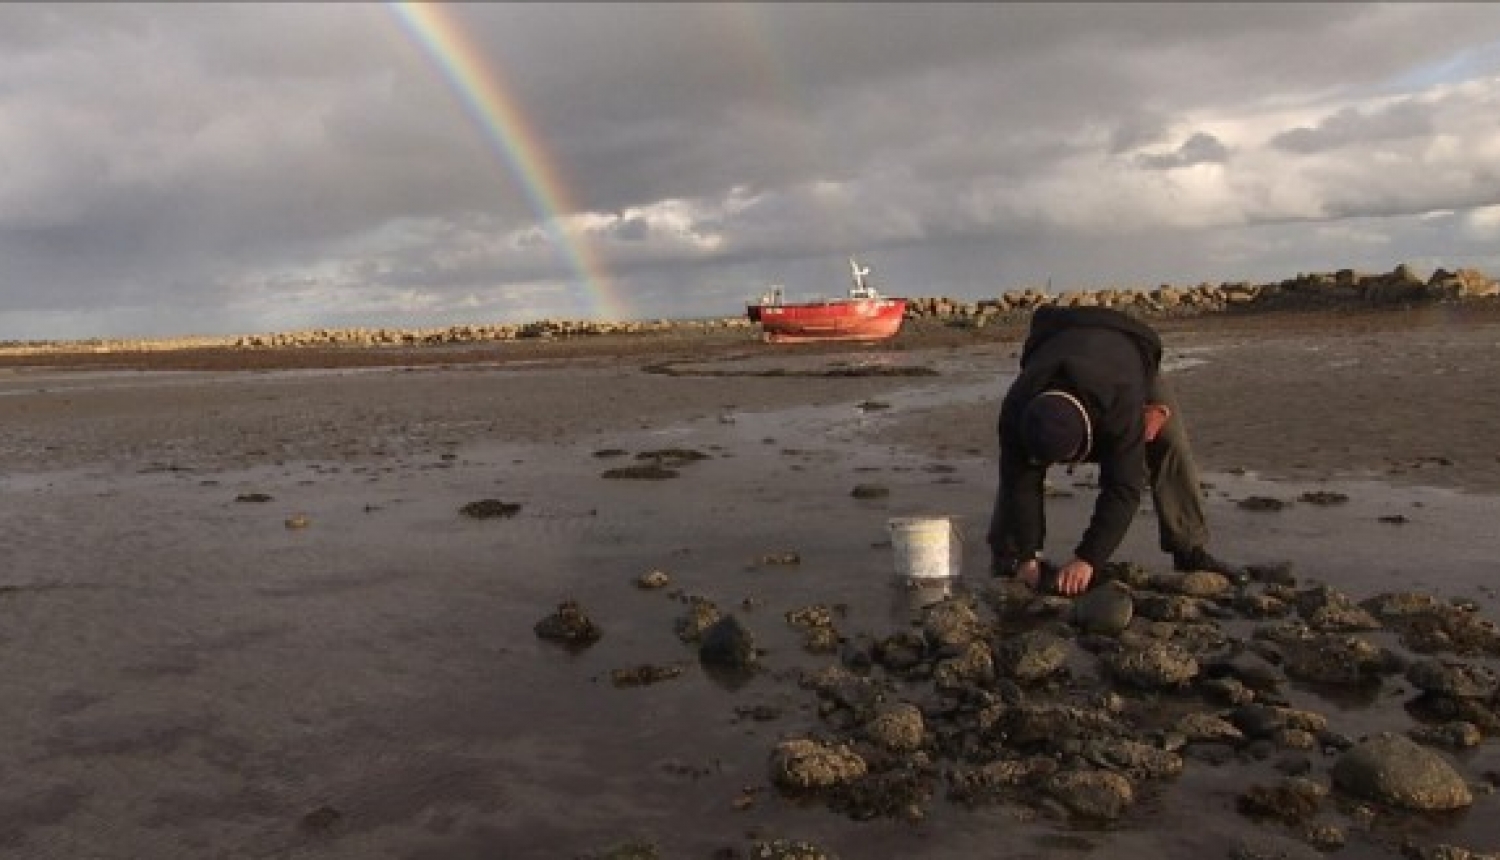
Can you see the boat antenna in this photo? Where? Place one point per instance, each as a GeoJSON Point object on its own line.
{"type": "Point", "coordinates": [859, 273]}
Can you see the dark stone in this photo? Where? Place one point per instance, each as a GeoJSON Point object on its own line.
{"type": "Point", "coordinates": [569, 626]}
{"type": "Point", "coordinates": [727, 643]}
{"type": "Point", "coordinates": [485, 509]}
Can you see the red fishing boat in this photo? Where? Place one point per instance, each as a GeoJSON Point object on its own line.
{"type": "Point", "coordinates": [862, 315]}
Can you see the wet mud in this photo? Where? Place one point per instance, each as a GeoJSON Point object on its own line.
{"type": "Point", "coordinates": [188, 677]}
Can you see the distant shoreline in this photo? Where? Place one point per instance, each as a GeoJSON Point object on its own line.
{"type": "Point", "coordinates": [929, 320]}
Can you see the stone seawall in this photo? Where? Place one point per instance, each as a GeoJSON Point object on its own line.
{"type": "Point", "coordinates": [1344, 287]}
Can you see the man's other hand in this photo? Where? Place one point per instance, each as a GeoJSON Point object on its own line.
{"type": "Point", "coordinates": [1074, 578]}
{"type": "Point", "coordinates": [1029, 572]}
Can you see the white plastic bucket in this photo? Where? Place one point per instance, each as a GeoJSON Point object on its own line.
{"type": "Point", "coordinates": [925, 548]}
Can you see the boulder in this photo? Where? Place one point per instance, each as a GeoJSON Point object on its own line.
{"type": "Point", "coordinates": [1392, 769]}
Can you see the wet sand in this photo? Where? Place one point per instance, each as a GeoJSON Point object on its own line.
{"type": "Point", "coordinates": [186, 675]}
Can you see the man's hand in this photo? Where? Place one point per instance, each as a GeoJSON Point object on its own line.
{"type": "Point", "coordinates": [1074, 578]}
{"type": "Point", "coordinates": [1029, 572]}
{"type": "Point", "coordinates": [1157, 416]}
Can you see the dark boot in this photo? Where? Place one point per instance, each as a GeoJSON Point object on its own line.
{"type": "Point", "coordinates": [1199, 558]}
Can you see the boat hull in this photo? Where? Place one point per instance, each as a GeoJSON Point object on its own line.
{"type": "Point", "coordinates": [842, 319]}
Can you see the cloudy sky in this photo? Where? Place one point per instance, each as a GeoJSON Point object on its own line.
{"type": "Point", "coordinates": [217, 169]}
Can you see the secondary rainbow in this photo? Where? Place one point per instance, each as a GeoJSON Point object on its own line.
{"type": "Point", "coordinates": [481, 90]}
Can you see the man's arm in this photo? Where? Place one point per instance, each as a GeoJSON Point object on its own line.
{"type": "Point", "coordinates": [1122, 481]}
{"type": "Point", "coordinates": [1019, 524]}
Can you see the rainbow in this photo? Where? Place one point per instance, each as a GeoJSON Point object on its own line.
{"type": "Point", "coordinates": [481, 90]}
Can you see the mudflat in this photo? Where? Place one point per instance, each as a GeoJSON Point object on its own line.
{"type": "Point", "coordinates": [245, 611]}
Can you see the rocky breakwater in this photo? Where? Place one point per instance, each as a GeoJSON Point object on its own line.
{"type": "Point", "coordinates": [375, 338]}
{"type": "Point", "coordinates": [469, 334]}
{"type": "Point", "coordinates": [1345, 287]}
{"type": "Point", "coordinates": [1400, 287]}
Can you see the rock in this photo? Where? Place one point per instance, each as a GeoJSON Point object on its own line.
{"type": "Point", "coordinates": [629, 851]}
{"type": "Point", "coordinates": [1193, 583]}
{"type": "Point", "coordinates": [1444, 852]}
{"type": "Point", "coordinates": [1093, 794]}
{"type": "Point", "coordinates": [1332, 658]}
{"type": "Point", "coordinates": [1272, 574]}
{"type": "Point", "coordinates": [1292, 801]}
{"type": "Point", "coordinates": [1261, 503]}
{"type": "Point", "coordinates": [569, 626]}
{"type": "Point", "coordinates": [1258, 721]}
{"type": "Point", "coordinates": [821, 640]}
{"type": "Point", "coordinates": [870, 491]}
{"type": "Point", "coordinates": [1105, 611]}
{"type": "Point", "coordinates": [973, 664]}
{"type": "Point", "coordinates": [1455, 735]}
{"type": "Point", "coordinates": [951, 622]}
{"type": "Point", "coordinates": [901, 652]}
{"type": "Point", "coordinates": [804, 764]}
{"type": "Point", "coordinates": [1392, 769]}
{"type": "Point", "coordinates": [653, 579]}
{"type": "Point", "coordinates": [1134, 759]}
{"type": "Point", "coordinates": [1152, 665]}
{"type": "Point", "coordinates": [1032, 656]}
{"type": "Point", "coordinates": [727, 643]}
{"type": "Point", "coordinates": [1324, 497]}
{"type": "Point", "coordinates": [1168, 607]}
{"type": "Point", "coordinates": [701, 615]}
{"type": "Point", "coordinates": [1324, 608]}
{"type": "Point", "coordinates": [1049, 726]}
{"type": "Point", "coordinates": [1260, 606]}
{"type": "Point", "coordinates": [1229, 691]}
{"type": "Point", "coordinates": [485, 509]}
{"type": "Point", "coordinates": [1207, 728]}
{"type": "Point", "coordinates": [897, 728]}
{"type": "Point", "coordinates": [1265, 846]}
{"type": "Point", "coordinates": [1324, 836]}
{"type": "Point", "coordinates": [1295, 739]}
{"type": "Point", "coordinates": [1453, 679]}
{"type": "Point", "coordinates": [1304, 721]}
{"type": "Point", "coordinates": [644, 674]}
{"type": "Point", "coordinates": [790, 849]}
{"type": "Point", "coordinates": [1397, 604]}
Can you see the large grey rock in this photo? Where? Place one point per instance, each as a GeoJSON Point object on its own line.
{"type": "Point", "coordinates": [1392, 769]}
{"type": "Point", "coordinates": [1105, 610]}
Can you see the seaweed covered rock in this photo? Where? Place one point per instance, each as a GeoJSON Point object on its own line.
{"type": "Point", "coordinates": [1093, 794]}
{"type": "Point", "coordinates": [897, 727]}
{"type": "Point", "coordinates": [803, 764]}
{"type": "Point", "coordinates": [1454, 679]}
{"type": "Point", "coordinates": [1152, 665]}
{"type": "Point", "coordinates": [570, 626]}
{"type": "Point", "coordinates": [1031, 656]}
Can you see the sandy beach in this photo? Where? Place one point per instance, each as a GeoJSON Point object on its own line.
{"type": "Point", "coordinates": [242, 614]}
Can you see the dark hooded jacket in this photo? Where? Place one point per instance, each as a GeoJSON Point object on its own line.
{"type": "Point", "coordinates": [1109, 361]}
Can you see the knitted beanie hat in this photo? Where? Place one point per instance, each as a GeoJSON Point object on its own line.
{"type": "Point", "coordinates": [1055, 428]}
